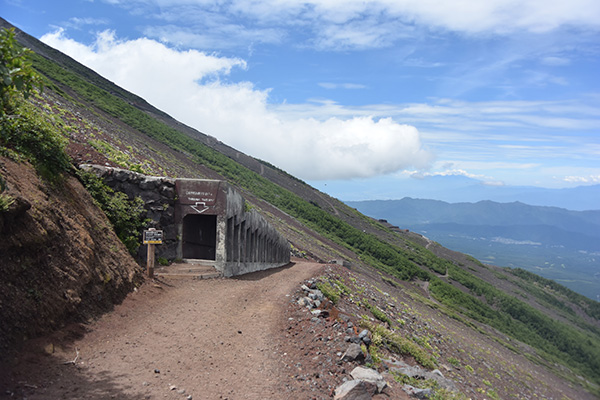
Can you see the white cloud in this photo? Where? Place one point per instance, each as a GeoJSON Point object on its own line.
{"type": "Point", "coordinates": [590, 179]}
{"type": "Point", "coordinates": [448, 172]}
{"type": "Point", "coordinates": [78, 23]}
{"type": "Point", "coordinates": [214, 35]}
{"type": "Point", "coordinates": [554, 61]}
{"type": "Point", "coordinates": [358, 24]}
{"type": "Point", "coordinates": [190, 86]}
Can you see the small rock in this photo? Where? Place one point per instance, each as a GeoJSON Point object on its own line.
{"type": "Point", "coordinates": [352, 390]}
{"type": "Point", "coordinates": [49, 348]}
{"type": "Point", "coordinates": [369, 375]}
{"type": "Point", "coordinates": [437, 372]}
{"type": "Point", "coordinates": [418, 393]}
{"type": "Point", "coordinates": [316, 295]}
{"type": "Point", "coordinates": [305, 301]}
{"type": "Point", "coordinates": [354, 353]}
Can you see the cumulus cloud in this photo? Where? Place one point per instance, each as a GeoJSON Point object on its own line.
{"type": "Point", "coordinates": [192, 86]}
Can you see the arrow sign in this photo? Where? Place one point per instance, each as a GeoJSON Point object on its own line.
{"type": "Point", "coordinates": [200, 207]}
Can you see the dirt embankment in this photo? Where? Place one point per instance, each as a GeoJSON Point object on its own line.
{"type": "Point", "coordinates": [60, 260]}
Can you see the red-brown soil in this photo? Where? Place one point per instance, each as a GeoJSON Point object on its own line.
{"type": "Point", "coordinates": [211, 339]}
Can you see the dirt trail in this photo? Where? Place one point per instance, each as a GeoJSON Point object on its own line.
{"type": "Point", "coordinates": [215, 339]}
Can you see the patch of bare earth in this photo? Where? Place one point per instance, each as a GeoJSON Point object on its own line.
{"type": "Point", "coordinates": [209, 339]}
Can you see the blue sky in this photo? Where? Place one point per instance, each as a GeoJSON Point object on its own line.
{"type": "Point", "coordinates": [359, 98]}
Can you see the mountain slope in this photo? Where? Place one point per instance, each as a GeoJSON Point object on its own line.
{"type": "Point", "coordinates": [106, 125]}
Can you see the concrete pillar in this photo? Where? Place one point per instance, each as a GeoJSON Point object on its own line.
{"type": "Point", "coordinates": [221, 241]}
{"type": "Point", "coordinates": [229, 239]}
{"type": "Point", "coordinates": [236, 240]}
{"type": "Point", "coordinates": [243, 241]}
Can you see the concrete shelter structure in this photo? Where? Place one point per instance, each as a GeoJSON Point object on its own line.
{"type": "Point", "coordinates": [202, 220]}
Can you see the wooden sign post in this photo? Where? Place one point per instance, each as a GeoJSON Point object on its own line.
{"type": "Point", "coordinates": [152, 237]}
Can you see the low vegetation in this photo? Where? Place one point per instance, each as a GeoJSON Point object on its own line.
{"type": "Point", "coordinates": [5, 200]}
{"type": "Point", "coordinates": [125, 215]}
{"type": "Point", "coordinates": [400, 345]}
{"type": "Point", "coordinates": [25, 133]}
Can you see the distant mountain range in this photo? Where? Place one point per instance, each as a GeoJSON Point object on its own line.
{"type": "Point", "coordinates": [556, 243]}
{"type": "Point", "coordinates": [456, 189]}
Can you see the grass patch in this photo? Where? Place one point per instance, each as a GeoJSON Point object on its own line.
{"type": "Point", "coordinates": [400, 345]}
{"type": "Point", "coordinates": [329, 291]}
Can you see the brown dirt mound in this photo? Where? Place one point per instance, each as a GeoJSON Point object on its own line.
{"type": "Point", "coordinates": [60, 259]}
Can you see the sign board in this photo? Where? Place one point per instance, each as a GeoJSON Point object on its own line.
{"type": "Point", "coordinates": [200, 195]}
{"type": "Point", "coordinates": [191, 192]}
{"type": "Point", "coordinates": [153, 237]}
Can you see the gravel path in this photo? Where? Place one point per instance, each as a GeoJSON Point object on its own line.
{"type": "Point", "coordinates": [211, 339]}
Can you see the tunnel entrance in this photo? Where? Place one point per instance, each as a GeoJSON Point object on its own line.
{"type": "Point", "coordinates": [199, 236]}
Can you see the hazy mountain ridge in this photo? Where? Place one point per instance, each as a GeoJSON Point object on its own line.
{"type": "Point", "coordinates": [458, 189]}
{"type": "Point", "coordinates": [452, 285]}
{"type": "Point", "coordinates": [409, 211]}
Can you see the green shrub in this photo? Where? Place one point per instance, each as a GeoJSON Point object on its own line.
{"type": "Point", "coordinates": [328, 291]}
{"type": "Point", "coordinates": [24, 131]}
{"type": "Point", "coordinates": [377, 313]}
{"type": "Point", "coordinates": [126, 216]}
{"type": "Point", "coordinates": [162, 261]}
{"type": "Point", "coordinates": [454, 361]}
{"type": "Point", "coordinates": [27, 133]}
{"type": "Point", "coordinates": [5, 200]}
{"type": "Point", "coordinates": [17, 76]}
{"type": "Point", "coordinates": [400, 345]}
